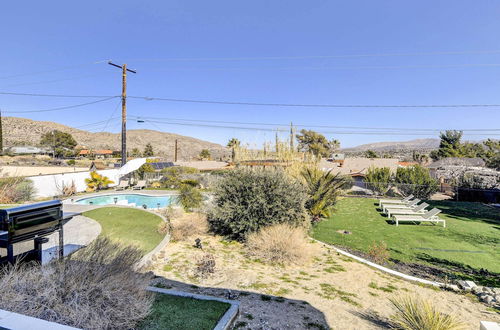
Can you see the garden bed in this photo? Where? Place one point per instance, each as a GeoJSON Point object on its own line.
{"type": "Point", "coordinates": [467, 248]}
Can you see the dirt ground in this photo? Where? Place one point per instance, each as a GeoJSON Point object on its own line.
{"type": "Point", "coordinates": [331, 291]}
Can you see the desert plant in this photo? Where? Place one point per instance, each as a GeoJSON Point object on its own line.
{"type": "Point", "coordinates": [245, 200]}
{"type": "Point", "coordinates": [189, 197]}
{"type": "Point", "coordinates": [379, 253]}
{"type": "Point", "coordinates": [71, 162]}
{"type": "Point", "coordinates": [205, 265]}
{"type": "Point", "coordinates": [413, 313]}
{"type": "Point", "coordinates": [188, 226]}
{"type": "Point", "coordinates": [379, 179]}
{"type": "Point", "coordinates": [15, 190]}
{"type": "Point", "coordinates": [172, 176]}
{"type": "Point", "coordinates": [96, 288]}
{"type": "Point", "coordinates": [279, 244]}
{"type": "Point", "coordinates": [164, 228]}
{"type": "Point", "coordinates": [97, 181]}
{"type": "Point", "coordinates": [323, 188]}
{"type": "Point", "coordinates": [415, 180]}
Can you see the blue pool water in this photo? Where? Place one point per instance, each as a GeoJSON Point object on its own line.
{"type": "Point", "coordinates": [152, 202]}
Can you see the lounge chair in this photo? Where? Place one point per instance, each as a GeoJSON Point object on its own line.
{"type": "Point", "coordinates": [418, 209]}
{"type": "Point", "coordinates": [122, 185]}
{"type": "Point", "coordinates": [430, 216]}
{"type": "Point", "coordinates": [410, 204]}
{"type": "Point", "coordinates": [395, 201]}
{"type": "Point", "coordinates": [141, 184]}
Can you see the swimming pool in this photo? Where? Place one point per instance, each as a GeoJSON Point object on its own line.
{"type": "Point", "coordinates": [137, 200]}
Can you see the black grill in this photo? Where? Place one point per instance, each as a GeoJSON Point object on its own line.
{"type": "Point", "coordinates": [30, 222]}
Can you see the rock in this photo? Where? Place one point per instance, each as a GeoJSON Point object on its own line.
{"type": "Point", "coordinates": [467, 285]}
{"type": "Point", "coordinates": [488, 299]}
{"type": "Point", "coordinates": [477, 289]}
{"type": "Point", "coordinates": [452, 287]}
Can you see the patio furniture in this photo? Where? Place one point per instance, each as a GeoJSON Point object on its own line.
{"type": "Point", "coordinates": [418, 209]}
{"type": "Point", "coordinates": [410, 204]}
{"type": "Point", "coordinates": [141, 184]}
{"type": "Point", "coordinates": [395, 201]}
{"type": "Point", "coordinates": [430, 216]}
{"type": "Point", "coordinates": [122, 185]}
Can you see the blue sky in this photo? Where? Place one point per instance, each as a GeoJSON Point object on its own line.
{"type": "Point", "coordinates": [157, 38]}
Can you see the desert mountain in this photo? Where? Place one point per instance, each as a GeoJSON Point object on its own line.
{"type": "Point", "coordinates": [27, 132]}
{"type": "Point", "coordinates": [418, 144]}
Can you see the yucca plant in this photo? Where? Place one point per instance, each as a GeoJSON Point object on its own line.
{"type": "Point", "coordinates": [97, 181]}
{"type": "Point", "coordinates": [323, 188]}
{"type": "Point", "coordinates": [413, 313]}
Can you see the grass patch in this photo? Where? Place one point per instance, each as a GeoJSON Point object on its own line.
{"type": "Point", "coordinates": [331, 292]}
{"type": "Point", "coordinates": [173, 312]}
{"type": "Point", "coordinates": [388, 288]}
{"type": "Point", "coordinates": [469, 242]}
{"type": "Point", "coordinates": [128, 226]}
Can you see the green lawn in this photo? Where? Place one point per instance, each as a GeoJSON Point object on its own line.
{"type": "Point", "coordinates": [471, 238]}
{"type": "Point", "coordinates": [128, 225]}
{"type": "Point", "coordinates": [172, 312]}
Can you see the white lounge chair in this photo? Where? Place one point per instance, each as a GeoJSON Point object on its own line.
{"type": "Point", "coordinates": [395, 201]}
{"type": "Point", "coordinates": [418, 209]}
{"type": "Point", "coordinates": [122, 185]}
{"type": "Point", "coordinates": [141, 184]}
{"type": "Point", "coordinates": [430, 216]}
{"type": "Point", "coordinates": [408, 205]}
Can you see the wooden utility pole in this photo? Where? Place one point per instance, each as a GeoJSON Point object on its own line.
{"type": "Point", "coordinates": [124, 109]}
{"type": "Point", "coordinates": [277, 142]}
{"type": "Point", "coordinates": [175, 151]}
{"type": "Point", "coordinates": [292, 136]}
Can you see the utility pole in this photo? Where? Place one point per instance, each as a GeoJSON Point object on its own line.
{"type": "Point", "coordinates": [292, 136]}
{"type": "Point", "coordinates": [277, 141]}
{"type": "Point", "coordinates": [124, 109]}
{"type": "Point", "coordinates": [175, 151]}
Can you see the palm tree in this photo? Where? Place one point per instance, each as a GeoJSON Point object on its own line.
{"type": "Point", "coordinates": [323, 189]}
{"type": "Point", "coordinates": [233, 143]}
{"type": "Point", "coordinates": [97, 181]}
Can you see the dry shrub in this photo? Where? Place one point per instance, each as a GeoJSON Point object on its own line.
{"type": "Point", "coordinates": [164, 228]}
{"type": "Point", "coordinates": [280, 244]}
{"type": "Point", "coordinates": [15, 190]}
{"type": "Point", "coordinates": [96, 288]}
{"type": "Point", "coordinates": [189, 225]}
{"type": "Point", "coordinates": [205, 266]}
{"type": "Point", "coordinates": [413, 313]}
{"type": "Point", "coordinates": [379, 253]}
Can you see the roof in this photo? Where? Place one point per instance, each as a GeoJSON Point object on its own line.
{"type": "Point", "coordinates": [359, 165]}
{"type": "Point", "coordinates": [405, 164]}
{"type": "Point", "coordinates": [96, 152]}
{"type": "Point", "coordinates": [27, 150]}
{"type": "Point", "coordinates": [456, 161]}
{"type": "Point", "coordinates": [161, 165]}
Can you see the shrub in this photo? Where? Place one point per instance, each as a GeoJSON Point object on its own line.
{"type": "Point", "coordinates": [187, 226]}
{"type": "Point", "coordinates": [96, 288]}
{"type": "Point", "coordinates": [205, 266]}
{"type": "Point", "coordinates": [279, 244]}
{"type": "Point", "coordinates": [189, 197]}
{"type": "Point", "coordinates": [164, 228]}
{"type": "Point", "coordinates": [379, 253]}
{"type": "Point", "coordinates": [413, 313]}
{"type": "Point", "coordinates": [16, 190]}
{"type": "Point", "coordinates": [323, 189]}
{"type": "Point", "coordinates": [71, 162]}
{"type": "Point", "coordinates": [415, 180]}
{"type": "Point", "coordinates": [379, 179]}
{"type": "Point", "coordinates": [172, 176]}
{"type": "Point", "coordinates": [246, 200]}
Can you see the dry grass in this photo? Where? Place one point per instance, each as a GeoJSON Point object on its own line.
{"type": "Point", "coordinates": [279, 244]}
{"type": "Point", "coordinates": [379, 253]}
{"type": "Point", "coordinates": [96, 288]}
{"type": "Point", "coordinates": [413, 313]}
{"type": "Point", "coordinates": [205, 265]}
{"type": "Point", "coordinates": [188, 226]}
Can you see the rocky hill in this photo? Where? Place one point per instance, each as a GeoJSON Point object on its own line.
{"type": "Point", "coordinates": [423, 145]}
{"type": "Point", "coordinates": [27, 132]}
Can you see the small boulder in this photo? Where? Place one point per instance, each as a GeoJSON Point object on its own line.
{"type": "Point", "coordinates": [467, 285]}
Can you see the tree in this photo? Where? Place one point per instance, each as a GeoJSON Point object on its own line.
{"type": "Point", "coordinates": [314, 142]}
{"type": "Point", "coordinates": [378, 179]}
{"type": "Point", "coordinates": [205, 154]}
{"type": "Point", "coordinates": [449, 146]}
{"type": "Point", "coordinates": [97, 181]}
{"type": "Point", "coordinates": [136, 153]}
{"type": "Point", "coordinates": [148, 151]}
{"type": "Point", "coordinates": [145, 168]}
{"type": "Point", "coordinates": [370, 154]}
{"type": "Point", "coordinates": [415, 180]}
{"type": "Point", "coordinates": [60, 142]}
{"type": "Point", "coordinates": [334, 146]}
{"type": "Point", "coordinates": [189, 197]}
{"type": "Point", "coordinates": [323, 188]}
{"type": "Point", "coordinates": [234, 143]}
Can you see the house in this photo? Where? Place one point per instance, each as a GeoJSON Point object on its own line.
{"type": "Point", "coordinates": [105, 153]}
{"type": "Point", "coordinates": [28, 151]}
{"type": "Point", "coordinates": [448, 170]}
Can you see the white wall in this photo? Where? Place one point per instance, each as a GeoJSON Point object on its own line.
{"type": "Point", "coordinates": [50, 185]}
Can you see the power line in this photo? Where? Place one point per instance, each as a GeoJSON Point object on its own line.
{"type": "Point", "coordinates": [51, 81]}
{"type": "Point", "coordinates": [435, 130]}
{"type": "Point", "coordinates": [63, 108]}
{"type": "Point", "coordinates": [63, 68]}
{"type": "Point", "coordinates": [258, 58]}
{"type": "Point", "coordinates": [55, 95]}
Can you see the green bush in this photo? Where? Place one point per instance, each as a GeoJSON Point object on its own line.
{"type": "Point", "coordinates": [415, 180]}
{"type": "Point", "coordinates": [189, 197]}
{"type": "Point", "coordinates": [71, 162]}
{"type": "Point", "coordinates": [173, 176]}
{"type": "Point", "coordinates": [379, 179]}
{"type": "Point", "coordinates": [246, 200]}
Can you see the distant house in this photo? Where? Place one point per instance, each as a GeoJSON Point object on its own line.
{"type": "Point", "coordinates": [448, 170]}
{"type": "Point", "coordinates": [28, 151]}
{"type": "Point", "coordinates": [105, 153]}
